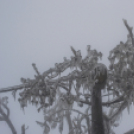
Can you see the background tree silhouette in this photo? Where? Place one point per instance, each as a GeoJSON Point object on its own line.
{"type": "Point", "coordinates": [57, 92]}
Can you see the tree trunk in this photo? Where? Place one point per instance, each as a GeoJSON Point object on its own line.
{"type": "Point", "coordinates": [97, 118]}
{"type": "Point", "coordinates": [88, 123]}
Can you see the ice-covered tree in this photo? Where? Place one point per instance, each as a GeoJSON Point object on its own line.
{"type": "Point", "coordinates": [85, 82]}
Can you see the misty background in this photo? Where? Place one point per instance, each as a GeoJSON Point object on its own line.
{"type": "Point", "coordinates": [42, 31]}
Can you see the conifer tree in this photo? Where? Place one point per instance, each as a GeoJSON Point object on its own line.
{"type": "Point", "coordinates": [88, 81]}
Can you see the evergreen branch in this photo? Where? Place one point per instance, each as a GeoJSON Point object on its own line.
{"type": "Point", "coordinates": [73, 50]}
{"type": "Point", "coordinates": [121, 108]}
{"type": "Point", "coordinates": [129, 30]}
{"type": "Point", "coordinates": [17, 87]}
{"type": "Point", "coordinates": [116, 100]}
{"type": "Point", "coordinates": [77, 111]}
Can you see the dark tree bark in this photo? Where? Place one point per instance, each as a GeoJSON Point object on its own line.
{"type": "Point", "coordinates": [88, 123]}
{"type": "Point", "coordinates": [100, 74]}
{"type": "Point", "coordinates": [97, 119]}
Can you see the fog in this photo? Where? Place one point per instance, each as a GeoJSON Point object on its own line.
{"type": "Point", "coordinates": [42, 32]}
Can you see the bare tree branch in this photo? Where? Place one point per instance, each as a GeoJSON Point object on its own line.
{"type": "Point", "coordinates": [8, 121]}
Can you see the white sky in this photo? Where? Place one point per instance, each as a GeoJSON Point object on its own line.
{"type": "Point", "coordinates": [42, 31]}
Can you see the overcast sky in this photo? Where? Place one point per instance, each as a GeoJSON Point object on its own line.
{"type": "Point", "coordinates": [42, 31]}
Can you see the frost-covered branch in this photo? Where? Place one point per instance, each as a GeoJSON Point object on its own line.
{"type": "Point", "coordinates": [129, 30]}
{"type": "Point", "coordinates": [5, 116]}
{"type": "Point", "coordinates": [23, 129]}
{"type": "Point", "coordinates": [55, 91]}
